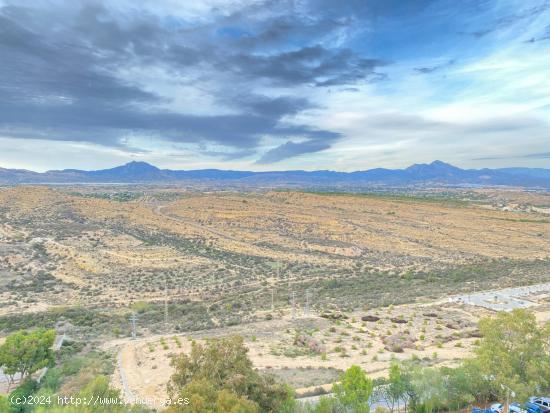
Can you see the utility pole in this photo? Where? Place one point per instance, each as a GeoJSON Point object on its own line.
{"type": "Point", "coordinates": [293, 301]}
{"type": "Point", "coordinates": [272, 297]}
{"type": "Point", "coordinates": [133, 319]}
{"type": "Point", "coordinates": [307, 303]}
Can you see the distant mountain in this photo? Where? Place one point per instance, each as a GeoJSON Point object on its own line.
{"type": "Point", "coordinates": [435, 173]}
{"type": "Point", "coordinates": [532, 172]}
{"type": "Point", "coordinates": [130, 172]}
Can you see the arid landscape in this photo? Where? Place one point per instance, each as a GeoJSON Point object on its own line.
{"type": "Point", "coordinates": [266, 206]}
{"type": "Point", "coordinates": [315, 282]}
{"type": "Point", "coordinates": [310, 351]}
{"type": "Point", "coordinates": [65, 248]}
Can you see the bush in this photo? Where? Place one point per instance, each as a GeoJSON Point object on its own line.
{"type": "Point", "coordinates": [26, 389]}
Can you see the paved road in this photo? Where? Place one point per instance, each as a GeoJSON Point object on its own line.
{"type": "Point", "coordinates": [506, 299]}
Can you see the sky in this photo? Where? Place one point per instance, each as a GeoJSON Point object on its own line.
{"type": "Point", "coordinates": [274, 85]}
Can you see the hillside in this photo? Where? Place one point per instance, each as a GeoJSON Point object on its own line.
{"type": "Point", "coordinates": [61, 248]}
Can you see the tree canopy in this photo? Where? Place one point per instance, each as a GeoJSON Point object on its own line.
{"type": "Point", "coordinates": [219, 374]}
{"type": "Point", "coordinates": [514, 353]}
{"type": "Point", "coordinates": [354, 390]}
{"type": "Point", "coordinates": [26, 352]}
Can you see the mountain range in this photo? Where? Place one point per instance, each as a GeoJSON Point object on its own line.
{"type": "Point", "coordinates": [435, 173]}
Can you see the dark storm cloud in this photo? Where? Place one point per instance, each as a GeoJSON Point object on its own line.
{"type": "Point", "coordinates": [278, 30]}
{"type": "Point", "coordinates": [276, 106]}
{"type": "Point", "coordinates": [103, 125]}
{"type": "Point", "coordinates": [61, 79]}
{"type": "Point", "coordinates": [309, 65]}
{"type": "Point", "coordinates": [291, 149]}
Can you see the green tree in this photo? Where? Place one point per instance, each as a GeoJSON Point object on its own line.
{"type": "Point", "coordinates": [228, 402]}
{"type": "Point", "coordinates": [408, 371]}
{"type": "Point", "coordinates": [26, 352]}
{"type": "Point", "coordinates": [27, 388]}
{"type": "Point", "coordinates": [354, 390]}
{"type": "Point", "coordinates": [424, 388]}
{"type": "Point", "coordinates": [513, 354]}
{"type": "Point", "coordinates": [394, 391]}
{"type": "Point", "coordinates": [430, 387]}
{"type": "Point", "coordinates": [326, 405]}
{"type": "Point", "coordinates": [224, 365]}
{"type": "Point", "coordinates": [202, 395]}
{"type": "Point", "coordinates": [205, 397]}
{"type": "Point", "coordinates": [458, 383]}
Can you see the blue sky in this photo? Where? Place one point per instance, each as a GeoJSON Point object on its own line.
{"type": "Point", "coordinates": [270, 85]}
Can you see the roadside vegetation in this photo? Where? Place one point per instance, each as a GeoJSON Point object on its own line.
{"type": "Point", "coordinates": [513, 355]}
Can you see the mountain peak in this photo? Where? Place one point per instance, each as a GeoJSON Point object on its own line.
{"type": "Point", "coordinates": [433, 165]}
{"type": "Point", "coordinates": [436, 169]}
{"type": "Point", "coordinates": [437, 162]}
{"type": "Point", "coordinates": [131, 171]}
{"type": "Point", "coordinates": [139, 166]}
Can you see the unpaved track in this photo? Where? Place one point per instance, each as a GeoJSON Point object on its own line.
{"type": "Point", "coordinates": [158, 210]}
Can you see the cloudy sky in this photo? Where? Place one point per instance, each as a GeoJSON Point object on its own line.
{"type": "Point", "coordinates": [270, 85]}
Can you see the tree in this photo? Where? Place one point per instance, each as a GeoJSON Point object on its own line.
{"type": "Point", "coordinates": [326, 405]}
{"type": "Point", "coordinates": [26, 389]}
{"type": "Point", "coordinates": [354, 390]}
{"type": "Point", "coordinates": [223, 364]}
{"type": "Point", "coordinates": [423, 389]}
{"type": "Point", "coordinates": [430, 388]}
{"type": "Point", "coordinates": [26, 352]}
{"type": "Point", "coordinates": [394, 391]}
{"type": "Point", "coordinates": [204, 397]}
{"type": "Point", "coordinates": [409, 370]}
{"type": "Point", "coordinates": [458, 383]}
{"type": "Point", "coordinates": [227, 402]}
{"type": "Point", "coordinates": [513, 354]}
